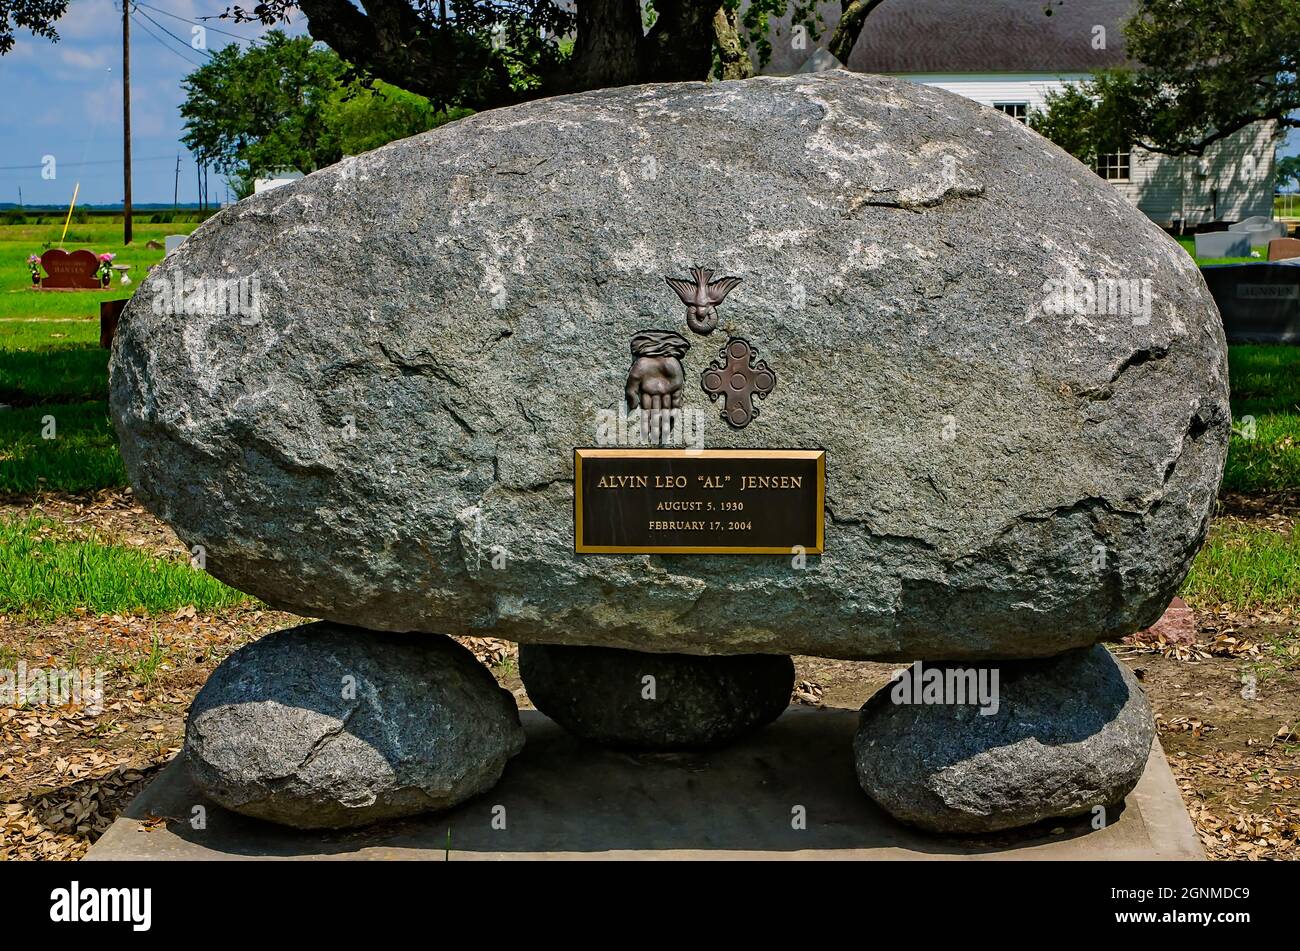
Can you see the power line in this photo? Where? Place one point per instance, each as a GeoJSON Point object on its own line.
{"type": "Point", "coordinates": [210, 29]}
{"type": "Point", "coordinates": [157, 39]}
{"type": "Point", "coordinates": [173, 35]}
{"type": "Point", "coordinates": [116, 161]}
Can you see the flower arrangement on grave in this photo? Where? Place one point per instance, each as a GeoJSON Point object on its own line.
{"type": "Point", "coordinates": [106, 268]}
{"type": "Point", "coordinates": [34, 265]}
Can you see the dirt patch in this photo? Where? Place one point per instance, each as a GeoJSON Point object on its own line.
{"type": "Point", "coordinates": [1273, 506]}
{"type": "Point", "coordinates": [112, 516]}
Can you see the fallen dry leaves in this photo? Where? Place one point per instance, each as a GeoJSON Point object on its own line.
{"type": "Point", "coordinates": [1244, 804]}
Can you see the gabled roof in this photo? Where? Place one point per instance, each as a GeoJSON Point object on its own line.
{"type": "Point", "coordinates": [974, 36]}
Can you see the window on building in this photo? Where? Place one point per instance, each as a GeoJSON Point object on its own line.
{"type": "Point", "coordinates": [1016, 110]}
{"type": "Point", "coordinates": [1113, 166]}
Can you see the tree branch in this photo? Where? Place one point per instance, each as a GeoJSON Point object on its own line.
{"type": "Point", "coordinates": [731, 50]}
{"type": "Point", "coordinates": [853, 17]}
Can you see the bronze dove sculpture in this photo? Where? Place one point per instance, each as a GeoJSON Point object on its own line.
{"type": "Point", "coordinates": [701, 295]}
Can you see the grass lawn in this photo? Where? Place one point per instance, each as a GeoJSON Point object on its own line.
{"type": "Point", "coordinates": [80, 455]}
{"type": "Point", "coordinates": [45, 575]}
{"type": "Point", "coordinates": [17, 299]}
{"type": "Point", "coordinates": [1247, 566]}
{"type": "Point", "coordinates": [1265, 386]}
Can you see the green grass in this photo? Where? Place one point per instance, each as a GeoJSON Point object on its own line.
{"type": "Point", "coordinates": [52, 576]}
{"type": "Point", "coordinates": [75, 374]}
{"type": "Point", "coordinates": [1265, 378]}
{"type": "Point", "coordinates": [82, 456]}
{"type": "Point", "coordinates": [17, 299]}
{"type": "Point", "coordinates": [1246, 566]}
{"type": "Point", "coordinates": [1266, 386]}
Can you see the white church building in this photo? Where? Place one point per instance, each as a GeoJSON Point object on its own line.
{"type": "Point", "coordinates": [1009, 54]}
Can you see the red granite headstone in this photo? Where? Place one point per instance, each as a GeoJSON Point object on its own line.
{"type": "Point", "coordinates": [1283, 249]}
{"type": "Point", "coordinates": [78, 270]}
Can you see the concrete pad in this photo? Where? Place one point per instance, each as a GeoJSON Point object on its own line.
{"type": "Point", "coordinates": [565, 800]}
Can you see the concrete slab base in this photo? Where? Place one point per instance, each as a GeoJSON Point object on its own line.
{"type": "Point", "coordinates": [560, 799]}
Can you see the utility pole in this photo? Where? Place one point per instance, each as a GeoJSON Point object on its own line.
{"type": "Point", "coordinates": [126, 122]}
{"type": "Point", "coordinates": [176, 190]}
{"type": "Point", "coordinates": [198, 179]}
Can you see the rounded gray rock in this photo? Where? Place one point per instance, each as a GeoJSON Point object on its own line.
{"type": "Point", "coordinates": [1069, 733]}
{"type": "Point", "coordinates": [634, 700]}
{"type": "Point", "coordinates": [324, 726]}
{"type": "Point", "coordinates": [386, 439]}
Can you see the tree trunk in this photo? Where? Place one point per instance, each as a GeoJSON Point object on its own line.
{"type": "Point", "coordinates": [606, 52]}
{"type": "Point", "coordinates": [679, 47]}
{"type": "Point", "coordinates": [731, 48]}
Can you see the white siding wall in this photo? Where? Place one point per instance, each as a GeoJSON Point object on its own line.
{"type": "Point", "coordinates": [1234, 180]}
{"type": "Point", "coordinates": [1241, 168]}
{"type": "Point", "coordinates": [989, 88]}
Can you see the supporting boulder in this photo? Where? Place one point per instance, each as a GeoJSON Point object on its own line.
{"type": "Point", "coordinates": [325, 726]}
{"type": "Point", "coordinates": [1047, 738]}
{"type": "Point", "coordinates": [634, 700]}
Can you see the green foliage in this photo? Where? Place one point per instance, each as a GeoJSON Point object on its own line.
{"type": "Point", "coordinates": [757, 21]}
{"type": "Point", "coordinates": [1288, 172]}
{"type": "Point", "coordinates": [292, 104]}
{"type": "Point", "coordinates": [45, 575]}
{"type": "Point", "coordinates": [1081, 122]}
{"type": "Point", "coordinates": [263, 108]}
{"type": "Point", "coordinates": [365, 117]}
{"type": "Point", "coordinates": [1203, 69]}
{"type": "Point", "coordinates": [36, 16]}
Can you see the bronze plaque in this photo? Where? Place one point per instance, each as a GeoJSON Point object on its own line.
{"type": "Point", "coordinates": [699, 501]}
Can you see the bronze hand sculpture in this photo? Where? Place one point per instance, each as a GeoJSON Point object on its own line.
{"type": "Point", "coordinates": [655, 381]}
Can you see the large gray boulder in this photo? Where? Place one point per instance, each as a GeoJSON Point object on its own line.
{"type": "Point", "coordinates": [1064, 736]}
{"type": "Point", "coordinates": [323, 726]}
{"type": "Point", "coordinates": [387, 441]}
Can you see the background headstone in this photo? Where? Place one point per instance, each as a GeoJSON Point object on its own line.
{"type": "Point", "coordinates": [1222, 244]}
{"type": "Point", "coordinates": [77, 270]}
{"type": "Point", "coordinates": [1257, 302]}
{"type": "Point", "coordinates": [174, 241]}
{"type": "Point", "coordinates": [1283, 249]}
{"type": "Point", "coordinates": [1259, 229]}
{"type": "Point", "coordinates": [110, 311]}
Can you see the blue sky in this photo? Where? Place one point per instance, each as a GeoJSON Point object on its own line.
{"type": "Point", "coordinates": [65, 100]}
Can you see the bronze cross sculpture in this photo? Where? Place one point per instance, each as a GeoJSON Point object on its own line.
{"type": "Point", "coordinates": [737, 375]}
